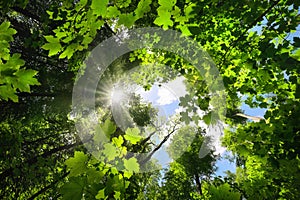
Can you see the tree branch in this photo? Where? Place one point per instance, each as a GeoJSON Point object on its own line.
{"type": "Point", "coordinates": [36, 94]}
{"type": "Point", "coordinates": [41, 191]}
{"type": "Point", "coordinates": [148, 138]}
{"type": "Point", "coordinates": [33, 160]}
{"type": "Point", "coordinates": [159, 146]}
{"type": "Point", "coordinates": [26, 13]}
{"type": "Point", "coordinates": [198, 183]}
{"type": "Point", "coordinates": [255, 119]}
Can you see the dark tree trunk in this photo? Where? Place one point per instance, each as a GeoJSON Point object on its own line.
{"type": "Point", "coordinates": [198, 184]}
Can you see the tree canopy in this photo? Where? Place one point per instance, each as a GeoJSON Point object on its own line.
{"type": "Point", "coordinates": [58, 144]}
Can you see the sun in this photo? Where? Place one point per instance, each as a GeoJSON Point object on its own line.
{"type": "Point", "coordinates": [104, 93]}
{"type": "Point", "coordinates": [117, 94]}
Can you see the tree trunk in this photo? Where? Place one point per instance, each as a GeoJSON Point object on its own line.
{"type": "Point", "coordinates": [198, 184]}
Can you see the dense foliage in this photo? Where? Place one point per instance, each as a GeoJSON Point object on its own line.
{"type": "Point", "coordinates": [43, 45]}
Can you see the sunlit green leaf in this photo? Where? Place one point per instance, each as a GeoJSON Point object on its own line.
{"type": "Point", "coordinates": [54, 48]}
{"type": "Point", "coordinates": [68, 52]}
{"type": "Point", "coordinates": [101, 194]}
{"type": "Point", "coordinates": [25, 78]}
{"type": "Point", "coordinates": [6, 33]}
{"type": "Point", "coordinates": [117, 195]}
{"type": "Point", "coordinates": [77, 164]}
{"type": "Point", "coordinates": [118, 141]}
{"type": "Point", "coordinates": [142, 8]}
{"type": "Point", "coordinates": [166, 3]}
{"type": "Point", "coordinates": [131, 165]}
{"type": "Point", "coordinates": [112, 11]}
{"type": "Point", "coordinates": [164, 20]}
{"type": "Point", "coordinates": [126, 19]}
{"type": "Point", "coordinates": [7, 92]}
{"type": "Point", "coordinates": [99, 7]}
{"type": "Point", "coordinates": [132, 135]}
{"type": "Point", "coordinates": [110, 151]}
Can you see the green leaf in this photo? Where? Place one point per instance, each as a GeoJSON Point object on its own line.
{"type": "Point", "coordinates": [185, 117]}
{"type": "Point", "coordinates": [6, 33]}
{"type": "Point", "coordinates": [53, 48]}
{"type": "Point", "coordinates": [164, 20]}
{"type": "Point", "coordinates": [83, 2]}
{"type": "Point", "coordinates": [108, 128]}
{"type": "Point", "coordinates": [13, 63]}
{"type": "Point", "coordinates": [127, 174]}
{"type": "Point", "coordinates": [94, 175]}
{"type": "Point", "coordinates": [114, 171]}
{"type": "Point", "coordinates": [60, 35]}
{"type": "Point", "coordinates": [112, 12]}
{"type": "Point", "coordinates": [126, 184]}
{"type": "Point", "coordinates": [132, 135]}
{"type": "Point", "coordinates": [131, 165]}
{"type": "Point", "coordinates": [142, 8]}
{"type": "Point", "coordinates": [51, 39]}
{"type": "Point", "coordinates": [68, 52]}
{"type": "Point", "coordinates": [99, 7]}
{"type": "Point", "coordinates": [7, 92]}
{"type": "Point", "coordinates": [25, 79]}
{"type": "Point", "coordinates": [67, 39]}
{"type": "Point", "coordinates": [117, 195]}
{"type": "Point", "coordinates": [184, 30]}
{"type": "Point", "coordinates": [110, 151]}
{"type": "Point", "coordinates": [50, 13]}
{"type": "Point", "coordinates": [118, 141]}
{"type": "Point", "coordinates": [207, 118]}
{"type": "Point", "coordinates": [4, 26]}
{"type": "Point", "coordinates": [87, 40]}
{"type": "Point", "coordinates": [104, 131]}
{"type": "Point", "coordinates": [4, 50]}
{"type": "Point", "coordinates": [296, 54]}
{"type": "Point", "coordinates": [126, 19]}
{"type": "Point", "coordinates": [101, 194]}
{"type": "Point", "coordinates": [167, 3]}
{"type": "Point", "coordinates": [77, 164]}
{"type": "Point", "coordinates": [12, 78]}
{"type": "Point", "coordinates": [73, 189]}
{"type": "Point", "coordinates": [188, 10]}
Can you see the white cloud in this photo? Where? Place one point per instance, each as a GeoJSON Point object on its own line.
{"type": "Point", "coordinates": [171, 91]}
{"type": "Point", "coordinates": [165, 96]}
{"type": "Point", "coordinates": [179, 109]}
{"type": "Point", "coordinates": [177, 86]}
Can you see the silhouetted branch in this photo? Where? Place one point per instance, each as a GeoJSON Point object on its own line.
{"type": "Point", "coordinates": [174, 129]}
{"type": "Point", "coordinates": [41, 191]}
